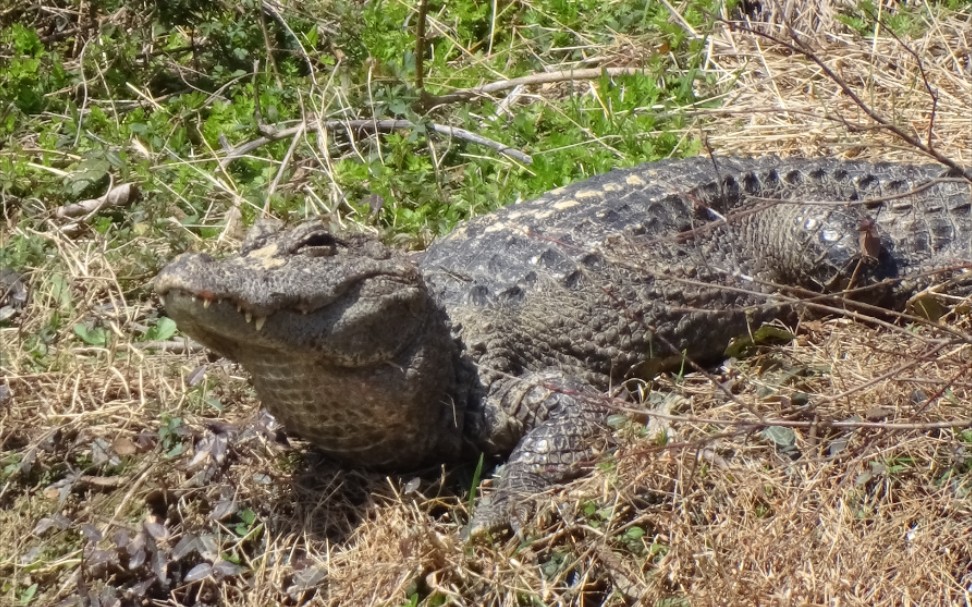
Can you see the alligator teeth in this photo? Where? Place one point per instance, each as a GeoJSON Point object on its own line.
{"type": "Point", "coordinates": [258, 323]}
{"type": "Point", "coordinates": [249, 317]}
{"type": "Point", "coordinates": [207, 303]}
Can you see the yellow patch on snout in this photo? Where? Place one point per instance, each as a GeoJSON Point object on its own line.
{"type": "Point", "coordinates": [266, 258]}
{"type": "Point", "coordinates": [634, 180]}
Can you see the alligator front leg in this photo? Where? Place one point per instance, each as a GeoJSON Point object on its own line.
{"type": "Point", "coordinates": [566, 430]}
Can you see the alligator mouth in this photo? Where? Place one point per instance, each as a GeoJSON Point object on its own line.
{"type": "Point", "coordinates": [257, 312]}
{"type": "Point", "coordinates": [217, 322]}
{"type": "Point", "coordinates": [227, 327]}
{"type": "Point", "coordinates": [210, 306]}
{"type": "Point", "coordinates": [346, 326]}
{"type": "Point", "coordinates": [257, 287]}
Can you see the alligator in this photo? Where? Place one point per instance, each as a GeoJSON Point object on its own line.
{"type": "Point", "coordinates": [508, 336]}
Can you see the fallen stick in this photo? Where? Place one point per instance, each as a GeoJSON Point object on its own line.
{"type": "Point", "coordinates": [117, 196]}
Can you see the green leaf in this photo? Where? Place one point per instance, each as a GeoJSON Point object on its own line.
{"type": "Point", "coordinates": [617, 420]}
{"type": "Point", "coordinates": [61, 292]}
{"type": "Point", "coordinates": [93, 336]}
{"type": "Point", "coordinates": [474, 484]}
{"type": "Point", "coordinates": [784, 438]}
{"type": "Point", "coordinates": [163, 329]}
{"type": "Point", "coordinates": [765, 335]}
{"type": "Point", "coordinates": [90, 174]}
{"type": "Point", "coordinates": [247, 519]}
{"type": "Point", "coordinates": [927, 306]}
{"type": "Point", "coordinates": [28, 594]}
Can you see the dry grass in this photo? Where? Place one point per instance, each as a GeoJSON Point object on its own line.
{"type": "Point", "coordinates": [872, 512]}
{"type": "Point", "coordinates": [779, 102]}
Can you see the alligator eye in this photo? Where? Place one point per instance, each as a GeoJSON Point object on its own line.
{"type": "Point", "coordinates": [319, 239]}
{"type": "Point", "coordinates": [318, 244]}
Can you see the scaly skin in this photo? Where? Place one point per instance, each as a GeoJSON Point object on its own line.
{"type": "Point", "coordinates": [504, 337]}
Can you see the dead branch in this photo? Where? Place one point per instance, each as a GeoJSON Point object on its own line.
{"type": "Point", "coordinates": [272, 134]}
{"type": "Point", "coordinates": [423, 8]}
{"type": "Point", "coordinates": [173, 346]}
{"type": "Point", "coordinates": [117, 196]}
{"type": "Point", "coordinates": [450, 131]}
{"type": "Point", "coordinates": [532, 79]}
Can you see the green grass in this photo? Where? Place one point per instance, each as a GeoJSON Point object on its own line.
{"type": "Point", "coordinates": [161, 118]}
{"type": "Point", "coordinates": [154, 96]}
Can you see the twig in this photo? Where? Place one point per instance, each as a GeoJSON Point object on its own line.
{"type": "Point", "coordinates": [282, 168]}
{"type": "Point", "coordinates": [267, 130]}
{"type": "Point", "coordinates": [921, 70]}
{"type": "Point", "coordinates": [451, 131]}
{"type": "Point", "coordinates": [272, 9]}
{"type": "Point", "coordinates": [118, 196]}
{"type": "Point", "coordinates": [270, 133]}
{"type": "Point", "coordinates": [173, 346]}
{"type": "Point", "coordinates": [233, 153]}
{"type": "Point", "coordinates": [896, 371]}
{"type": "Point", "coordinates": [420, 48]}
{"type": "Point", "coordinates": [271, 62]}
{"type": "Point", "coordinates": [100, 483]}
{"type": "Point", "coordinates": [532, 79]}
{"type": "Point", "coordinates": [373, 126]}
{"type": "Point", "coordinates": [751, 424]}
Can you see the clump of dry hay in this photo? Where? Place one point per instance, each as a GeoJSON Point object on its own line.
{"type": "Point", "coordinates": [779, 101]}
{"type": "Point", "coordinates": [859, 496]}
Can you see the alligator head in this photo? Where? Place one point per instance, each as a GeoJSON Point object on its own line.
{"type": "Point", "coordinates": [345, 344]}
